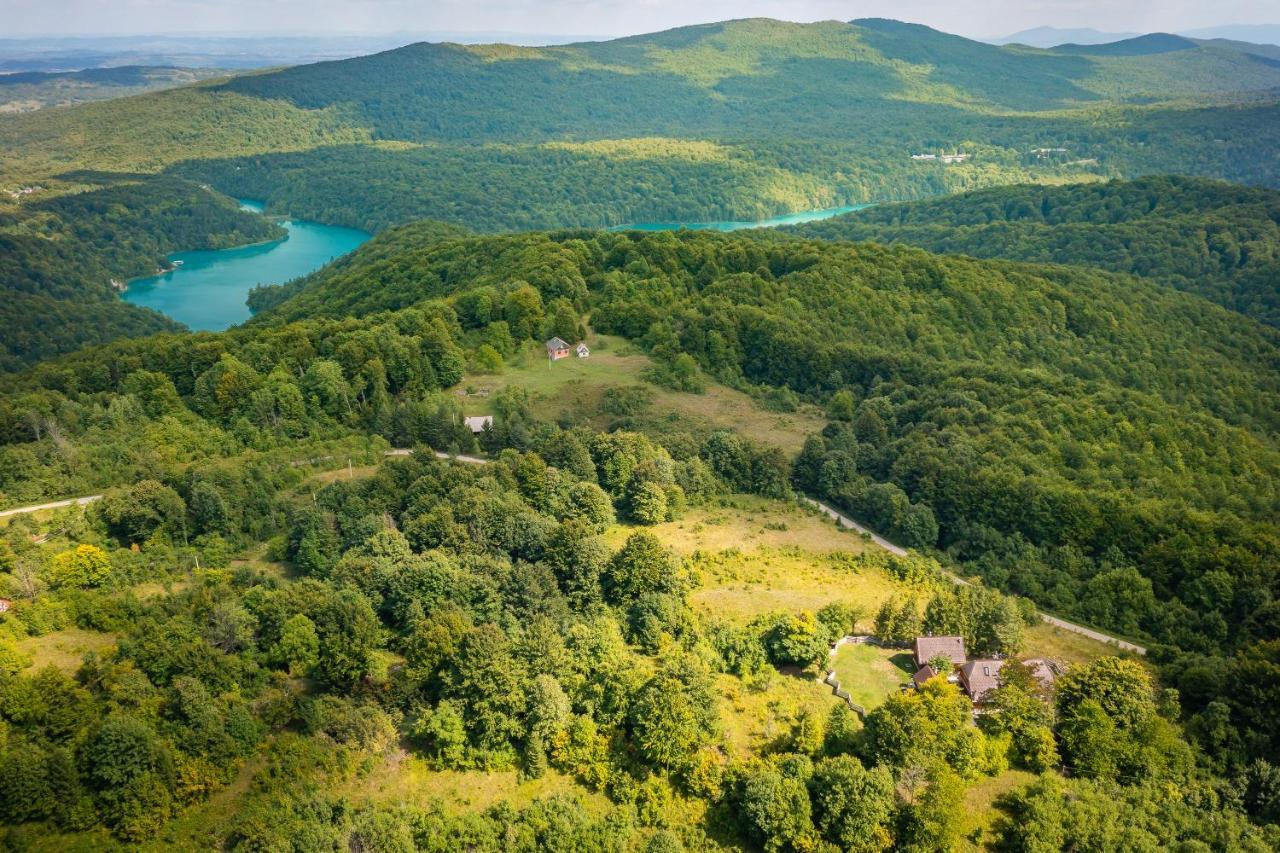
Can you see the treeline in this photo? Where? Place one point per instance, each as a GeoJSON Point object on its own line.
{"type": "Point", "coordinates": [59, 257]}
{"type": "Point", "coordinates": [1099, 445]}
{"type": "Point", "coordinates": [473, 615]}
{"type": "Point", "coordinates": [1209, 238]}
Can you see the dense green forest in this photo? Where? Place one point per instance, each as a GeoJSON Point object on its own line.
{"type": "Point", "coordinates": [1102, 445]}
{"type": "Point", "coordinates": [286, 624]}
{"type": "Point", "coordinates": [60, 256]}
{"type": "Point", "coordinates": [1218, 240]}
{"type": "Point", "coordinates": [473, 617]}
{"type": "Point", "coordinates": [737, 120]}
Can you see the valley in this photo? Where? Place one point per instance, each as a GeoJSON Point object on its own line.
{"type": "Point", "coordinates": [797, 438]}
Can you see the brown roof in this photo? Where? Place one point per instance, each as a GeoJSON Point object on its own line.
{"type": "Point", "coordinates": [923, 674]}
{"type": "Point", "coordinates": [1041, 670]}
{"type": "Point", "coordinates": [928, 648]}
{"type": "Point", "coordinates": [979, 677]}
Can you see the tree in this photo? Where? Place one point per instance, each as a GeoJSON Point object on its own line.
{"type": "Point", "coordinates": [488, 684]}
{"type": "Point", "coordinates": [348, 633]}
{"type": "Point", "coordinates": [443, 732]}
{"type": "Point", "coordinates": [209, 512]}
{"type": "Point", "coordinates": [674, 713]}
{"type": "Point", "coordinates": [841, 405]}
{"type": "Point", "coordinates": [86, 566]}
{"type": "Point", "coordinates": [648, 503]}
{"type": "Point", "coordinates": [776, 808]}
{"type": "Point", "coordinates": [799, 639]}
{"type": "Point", "coordinates": [1121, 688]}
{"type": "Point", "coordinates": [933, 820]}
{"type": "Point", "coordinates": [590, 503]}
{"type": "Point", "coordinates": [643, 565]}
{"type": "Point", "coordinates": [299, 646]}
{"type": "Point", "coordinates": [135, 513]}
{"type": "Point", "coordinates": [852, 806]}
{"type": "Point", "coordinates": [897, 621]}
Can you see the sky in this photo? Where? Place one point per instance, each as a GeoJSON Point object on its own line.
{"type": "Point", "coordinates": [973, 18]}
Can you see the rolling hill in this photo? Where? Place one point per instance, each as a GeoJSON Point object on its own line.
{"type": "Point", "coordinates": [1218, 240]}
{"type": "Point", "coordinates": [1099, 443]}
{"type": "Point", "coordinates": [738, 120]}
{"type": "Point", "coordinates": [784, 117]}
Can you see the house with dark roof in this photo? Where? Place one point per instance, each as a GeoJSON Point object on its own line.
{"type": "Point", "coordinates": [979, 677]}
{"type": "Point", "coordinates": [926, 649]}
{"type": "Point", "coordinates": [1043, 671]}
{"type": "Point", "coordinates": [922, 675]}
{"type": "Point", "coordinates": [557, 348]}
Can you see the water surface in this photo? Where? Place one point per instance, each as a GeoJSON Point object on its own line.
{"type": "Point", "coordinates": [728, 225]}
{"type": "Point", "coordinates": [208, 290]}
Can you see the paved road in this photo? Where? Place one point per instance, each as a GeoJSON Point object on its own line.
{"type": "Point", "coordinates": [406, 451]}
{"type": "Point", "coordinates": [23, 510]}
{"type": "Point", "coordinates": [845, 521]}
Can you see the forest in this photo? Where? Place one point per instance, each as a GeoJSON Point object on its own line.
{"type": "Point", "coordinates": [1100, 445]}
{"type": "Point", "coordinates": [60, 255]}
{"type": "Point", "coordinates": [312, 604]}
{"type": "Point", "coordinates": [1206, 237]}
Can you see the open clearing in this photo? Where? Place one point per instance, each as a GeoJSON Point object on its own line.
{"type": "Point", "coordinates": [64, 649]}
{"type": "Point", "coordinates": [869, 673]}
{"type": "Point", "coordinates": [572, 388]}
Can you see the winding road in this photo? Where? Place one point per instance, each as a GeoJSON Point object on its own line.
{"type": "Point", "coordinates": [23, 510]}
{"type": "Point", "coordinates": [843, 520]}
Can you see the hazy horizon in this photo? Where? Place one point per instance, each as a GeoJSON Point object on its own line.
{"type": "Point", "coordinates": [558, 19]}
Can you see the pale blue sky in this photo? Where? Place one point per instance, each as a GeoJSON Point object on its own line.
{"type": "Point", "coordinates": [975, 18]}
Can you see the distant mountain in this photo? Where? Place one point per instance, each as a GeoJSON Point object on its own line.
{"type": "Point", "coordinates": [1255, 33]}
{"type": "Point", "coordinates": [75, 53]}
{"type": "Point", "coordinates": [25, 91]}
{"type": "Point", "coordinates": [1146, 45]}
{"type": "Point", "coordinates": [739, 120]}
{"type": "Point", "coordinates": [1054, 36]}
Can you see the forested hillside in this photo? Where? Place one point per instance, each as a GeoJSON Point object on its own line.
{"type": "Point", "coordinates": [59, 258]}
{"type": "Point", "coordinates": [736, 120]}
{"type": "Point", "coordinates": [1011, 415]}
{"type": "Point", "coordinates": [1218, 240]}
{"type": "Point", "coordinates": [1103, 445]}
{"type": "Point", "coordinates": [604, 620]}
{"type": "Point", "coordinates": [739, 121]}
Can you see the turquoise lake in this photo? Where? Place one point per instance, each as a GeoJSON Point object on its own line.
{"type": "Point", "coordinates": [207, 291]}
{"type": "Point", "coordinates": [786, 219]}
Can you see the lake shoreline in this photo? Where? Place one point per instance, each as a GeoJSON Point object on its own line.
{"type": "Point", "coordinates": [209, 290]}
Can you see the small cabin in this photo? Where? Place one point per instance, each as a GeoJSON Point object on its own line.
{"type": "Point", "coordinates": [980, 677]}
{"type": "Point", "coordinates": [479, 423]}
{"type": "Point", "coordinates": [583, 351]}
{"type": "Point", "coordinates": [5, 605]}
{"type": "Point", "coordinates": [557, 348]}
{"type": "Point", "coordinates": [927, 649]}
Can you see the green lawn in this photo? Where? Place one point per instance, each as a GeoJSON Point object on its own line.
{"type": "Point", "coordinates": [869, 673]}
{"type": "Point", "coordinates": [574, 387]}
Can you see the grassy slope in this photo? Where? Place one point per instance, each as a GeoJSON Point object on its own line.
{"type": "Point", "coordinates": [572, 387]}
